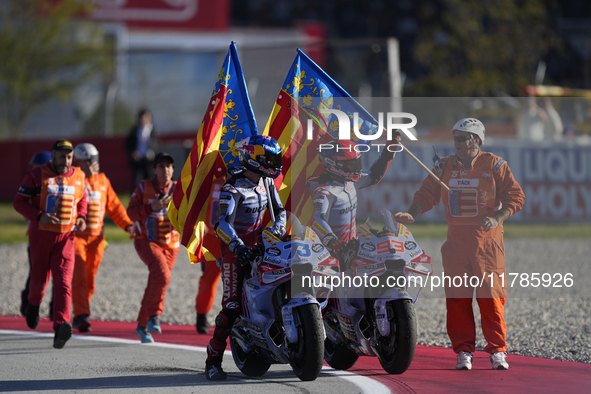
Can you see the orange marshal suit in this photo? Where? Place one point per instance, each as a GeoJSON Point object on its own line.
{"type": "Point", "coordinates": [52, 246]}
{"type": "Point", "coordinates": [476, 194]}
{"type": "Point", "coordinates": [90, 244]}
{"type": "Point", "coordinates": [157, 246]}
{"type": "Point", "coordinates": [208, 282]}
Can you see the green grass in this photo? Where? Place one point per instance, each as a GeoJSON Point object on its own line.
{"type": "Point", "coordinates": [13, 228]}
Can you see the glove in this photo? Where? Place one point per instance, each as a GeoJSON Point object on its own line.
{"type": "Point", "coordinates": [333, 244]}
{"type": "Point", "coordinates": [396, 136]}
{"type": "Point", "coordinates": [276, 231]}
{"type": "Point", "coordinates": [244, 254]}
{"type": "Point", "coordinates": [437, 160]}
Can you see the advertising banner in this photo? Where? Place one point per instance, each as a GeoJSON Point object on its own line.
{"type": "Point", "coordinates": [556, 180]}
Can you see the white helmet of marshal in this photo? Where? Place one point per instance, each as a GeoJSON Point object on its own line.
{"type": "Point", "coordinates": [86, 151]}
{"type": "Point", "coordinates": [470, 125]}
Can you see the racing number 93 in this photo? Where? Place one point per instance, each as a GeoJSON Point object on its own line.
{"type": "Point", "coordinates": [389, 244]}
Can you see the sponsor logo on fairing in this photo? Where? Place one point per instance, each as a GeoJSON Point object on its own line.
{"type": "Point", "coordinates": [274, 251]}
{"type": "Point", "coordinates": [368, 246]}
{"type": "Point", "coordinates": [317, 247]}
{"type": "Point", "coordinates": [410, 245]}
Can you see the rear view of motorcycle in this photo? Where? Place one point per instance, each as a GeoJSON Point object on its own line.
{"type": "Point", "coordinates": [281, 320]}
{"type": "Point", "coordinates": [371, 312]}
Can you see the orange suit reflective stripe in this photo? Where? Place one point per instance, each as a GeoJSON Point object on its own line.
{"type": "Point", "coordinates": [60, 196]}
{"type": "Point", "coordinates": [157, 227]}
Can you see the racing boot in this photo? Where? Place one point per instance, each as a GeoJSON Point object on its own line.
{"type": "Point", "coordinates": [214, 371]}
{"type": "Point", "coordinates": [213, 363]}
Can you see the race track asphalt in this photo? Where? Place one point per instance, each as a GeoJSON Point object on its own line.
{"type": "Point", "coordinates": [111, 359]}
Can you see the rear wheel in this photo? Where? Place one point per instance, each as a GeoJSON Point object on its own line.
{"type": "Point", "coordinates": [250, 364]}
{"type": "Point", "coordinates": [397, 350]}
{"type": "Point", "coordinates": [306, 355]}
{"type": "Point", "coordinates": [339, 356]}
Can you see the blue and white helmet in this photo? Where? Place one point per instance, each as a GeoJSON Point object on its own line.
{"type": "Point", "coordinates": [260, 154]}
{"type": "Point", "coordinates": [470, 125]}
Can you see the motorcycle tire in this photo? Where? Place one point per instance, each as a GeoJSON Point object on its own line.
{"type": "Point", "coordinates": [307, 354]}
{"type": "Point", "coordinates": [338, 355]}
{"type": "Point", "coordinates": [250, 364]}
{"type": "Point", "coordinates": [397, 350]}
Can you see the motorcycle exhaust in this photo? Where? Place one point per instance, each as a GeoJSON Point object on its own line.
{"type": "Point", "coordinates": [241, 339]}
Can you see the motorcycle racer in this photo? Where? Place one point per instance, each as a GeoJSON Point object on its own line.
{"type": "Point", "coordinates": [243, 201]}
{"type": "Point", "coordinates": [335, 190]}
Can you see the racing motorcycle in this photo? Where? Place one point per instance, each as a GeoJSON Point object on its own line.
{"type": "Point", "coordinates": [372, 313]}
{"type": "Point", "coordinates": [281, 320]}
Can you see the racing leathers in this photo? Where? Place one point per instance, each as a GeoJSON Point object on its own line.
{"type": "Point", "coordinates": [242, 207]}
{"type": "Point", "coordinates": [335, 202]}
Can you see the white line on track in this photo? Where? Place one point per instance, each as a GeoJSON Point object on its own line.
{"type": "Point", "coordinates": [367, 385]}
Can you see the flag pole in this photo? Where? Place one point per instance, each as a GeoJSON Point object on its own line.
{"type": "Point", "coordinates": [269, 202]}
{"type": "Point", "coordinates": [425, 168]}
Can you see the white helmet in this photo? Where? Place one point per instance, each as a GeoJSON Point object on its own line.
{"type": "Point", "coordinates": [470, 125]}
{"type": "Point", "coordinates": [86, 151]}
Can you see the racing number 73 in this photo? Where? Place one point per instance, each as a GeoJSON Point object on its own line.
{"type": "Point", "coordinates": [301, 249]}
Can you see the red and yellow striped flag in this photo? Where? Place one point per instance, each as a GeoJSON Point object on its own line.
{"type": "Point", "coordinates": [229, 118]}
{"type": "Point", "coordinates": [300, 157]}
{"type": "Point", "coordinates": [307, 90]}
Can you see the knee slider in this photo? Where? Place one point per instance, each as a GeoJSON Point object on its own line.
{"type": "Point", "coordinates": [226, 318]}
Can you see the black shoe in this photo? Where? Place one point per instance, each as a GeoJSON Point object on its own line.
{"type": "Point", "coordinates": [24, 302]}
{"type": "Point", "coordinates": [153, 326]}
{"type": "Point", "coordinates": [81, 323]}
{"type": "Point", "coordinates": [215, 372]}
{"type": "Point", "coordinates": [62, 334]}
{"type": "Point", "coordinates": [32, 316]}
{"type": "Point", "coordinates": [202, 326]}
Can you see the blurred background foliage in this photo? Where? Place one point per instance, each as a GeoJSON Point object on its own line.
{"type": "Point", "coordinates": [46, 52]}
{"type": "Point", "coordinates": [482, 48]}
{"type": "Point", "coordinates": [457, 48]}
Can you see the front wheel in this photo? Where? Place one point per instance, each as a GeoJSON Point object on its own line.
{"type": "Point", "coordinates": [250, 364]}
{"type": "Point", "coordinates": [306, 355]}
{"type": "Point", "coordinates": [397, 350]}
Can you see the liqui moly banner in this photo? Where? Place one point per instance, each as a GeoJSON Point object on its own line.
{"type": "Point", "coordinates": [556, 180]}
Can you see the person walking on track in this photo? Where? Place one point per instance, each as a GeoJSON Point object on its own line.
{"type": "Point", "coordinates": [157, 243]}
{"type": "Point", "coordinates": [90, 243]}
{"type": "Point", "coordinates": [52, 197]}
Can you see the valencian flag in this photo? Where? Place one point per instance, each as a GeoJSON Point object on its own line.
{"type": "Point", "coordinates": [306, 91]}
{"type": "Point", "coordinates": [229, 118]}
